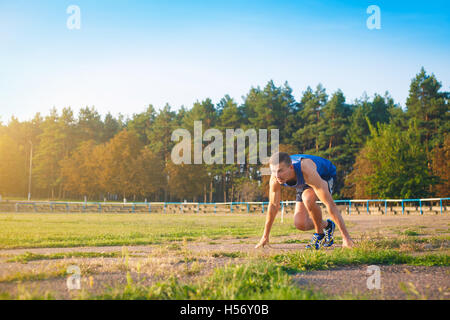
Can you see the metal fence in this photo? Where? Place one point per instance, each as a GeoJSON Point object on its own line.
{"type": "Point", "coordinates": [349, 207]}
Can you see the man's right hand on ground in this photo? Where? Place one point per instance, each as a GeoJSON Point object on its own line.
{"type": "Point", "coordinates": [263, 242]}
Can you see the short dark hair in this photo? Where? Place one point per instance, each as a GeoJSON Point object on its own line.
{"type": "Point", "coordinates": [279, 157]}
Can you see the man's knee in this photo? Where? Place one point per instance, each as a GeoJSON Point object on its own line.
{"type": "Point", "coordinates": [300, 224]}
{"type": "Point", "coordinates": [309, 200]}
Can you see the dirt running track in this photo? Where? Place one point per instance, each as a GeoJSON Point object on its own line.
{"type": "Point", "coordinates": [159, 262]}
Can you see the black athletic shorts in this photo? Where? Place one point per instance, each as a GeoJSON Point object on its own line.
{"type": "Point", "coordinates": [298, 196]}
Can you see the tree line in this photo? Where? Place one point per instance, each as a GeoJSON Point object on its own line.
{"type": "Point", "coordinates": [380, 149]}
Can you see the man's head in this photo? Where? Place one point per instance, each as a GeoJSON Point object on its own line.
{"type": "Point", "coordinates": [281, 167]}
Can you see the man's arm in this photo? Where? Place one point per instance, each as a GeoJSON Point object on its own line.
{"type": "Point", "coordinates": [274, 206]}
{"type": "Point", "coordinates": [320, 187]}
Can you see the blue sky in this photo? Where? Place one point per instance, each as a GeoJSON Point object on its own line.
{"type": "Point", "coordinates": [129, 54]}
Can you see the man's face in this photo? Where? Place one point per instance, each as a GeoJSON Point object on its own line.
{"type": "Point", "coordinates": [281, 171]}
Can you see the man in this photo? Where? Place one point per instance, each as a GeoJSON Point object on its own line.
{"type": "Point", "coordinates": [313, 177]}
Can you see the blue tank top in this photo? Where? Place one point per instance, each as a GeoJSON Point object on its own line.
{"type": "Point", "coordinates": [325, 168]}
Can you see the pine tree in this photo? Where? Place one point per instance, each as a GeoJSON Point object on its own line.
{"type": "Point", "coordinates": [394, 165]}
{"type": "Point", "coordinates": [111, 126]}
{"type": "Point", "coordinates": [142, 123]}
{"type": "Point", "coordinates": [429, 106]}
{"type": "Point", "coordinates": [13, 171]}
{"type": "Point", "coordinates": [160, 140]}
{"type": "Point", "coordinates": [80, 171]}
{"type": "Point", "coordinates": [441, 168]}
{"type": "Point", "coordinates": [89, 125]}
{"type": "Point", "coordinates": [306, 138]}
{"type": "Point", "coordinates": [50, 151]}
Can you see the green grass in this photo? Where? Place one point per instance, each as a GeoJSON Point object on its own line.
{"type": "Point", "coordinates": [295, 241]}
{"type": "Point", "coordinates": [29, 256]}
{"type": "Point", "coordinates": [72, 230]}
{"type": "Point", "coordinates": [413, 242]}
{"type": "Point", "coordinates": [411, 233]}
{"type": "Point", "coordinates": [268, 279]}
{"type": "Point", "coordinates": [261, 280]}
{"type": "Point", "coordinates": [259, 277]}
{"type": "Point", "coordinates": [188, 259]}
{"type": "Point", "coordinates": [24, 294]}
{"type": "Point", "coordinates": [174, 247]}
{"type": "Point", "coordinates": [322, 260]}
{"type": "Point", "coordinates": [235, 254]}
{"type": "Point", "coordinates": [29, 276]}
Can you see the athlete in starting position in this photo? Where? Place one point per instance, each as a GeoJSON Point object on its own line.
{"type": "Point", "coordinates": [313, 177]}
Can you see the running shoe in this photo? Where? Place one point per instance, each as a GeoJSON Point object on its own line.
{"type": "Point", "coordinates": [329, 231]}
{"type": "Point", "coordinates": [316, 241]}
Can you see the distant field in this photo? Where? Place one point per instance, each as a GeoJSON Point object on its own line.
{"type": "Point", "coordinates": [207, 256]}
{"type": "Point", "coordinates": [71, 230]}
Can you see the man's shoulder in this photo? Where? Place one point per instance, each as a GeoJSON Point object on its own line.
{"type": "Point", "coordinates": [308, 165]}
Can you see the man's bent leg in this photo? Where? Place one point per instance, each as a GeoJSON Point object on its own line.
{"type": "Point", "coordinates": [302, 221]}
{"type": "Point", "coordinates": [309, 198]}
